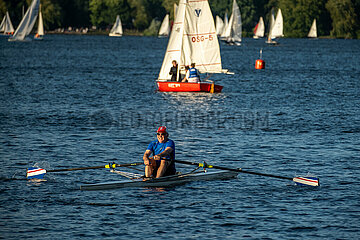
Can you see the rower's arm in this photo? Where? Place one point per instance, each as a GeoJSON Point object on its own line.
{"type": "Point", "coordinates": [146, 157]}
{"type": "Point", "coordinates": [164, 153]}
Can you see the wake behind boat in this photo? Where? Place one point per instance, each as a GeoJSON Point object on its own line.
{"type": "Point", "coordinates": [193, 40]}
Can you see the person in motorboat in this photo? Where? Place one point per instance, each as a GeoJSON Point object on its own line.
{"type": "Point", "coordinates": [163, 150]}
{"type": "Point", "coordinates": [173, 71]}
{"type": "Point", "coordinates": [193, 75]}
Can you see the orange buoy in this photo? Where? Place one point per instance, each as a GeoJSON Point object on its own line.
{"type": "Point", "coordinates": [259, 63]}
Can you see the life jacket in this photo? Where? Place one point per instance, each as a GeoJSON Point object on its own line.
{"type": "Point", "coordinates": [193, 73]}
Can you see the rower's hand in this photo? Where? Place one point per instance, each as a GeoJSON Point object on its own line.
{"type": "Point", "coordinates": [157, 157]}
{"type": "Point", "coordinates": [147, 162]}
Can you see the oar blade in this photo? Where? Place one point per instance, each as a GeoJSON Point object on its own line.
{"type": "Point", "coordinates": [35, 173]}
{"type": "Point", "coordinates": [308, 181]}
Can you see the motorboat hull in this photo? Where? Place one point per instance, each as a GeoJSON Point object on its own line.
{"type": "Point", "coordinates": [187, 87]}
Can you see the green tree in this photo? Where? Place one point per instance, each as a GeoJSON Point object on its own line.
{"type": "Point", "coordinates": [139, 14]}
{"type": "Point", "coordinates": [168, 5]}
{"type": "Point", "coordinates": [3, 9]}
{"type": "Point", "coordinates": [299, 15]}
{"type": "Point", "coordinates": [50, 10]}
{"type": "Point", "coordinates": [248, 16]}
{"type": "Point", "coordinates": [74, 13]}
{"type": "Point", "coordinates": [220, 7]}
{"type": "Point", "coordinates": [343, 17]}
{"type": "Point", "coordinates": [103, 12]}
{"type": "Point", "coordinates": [51, 14]}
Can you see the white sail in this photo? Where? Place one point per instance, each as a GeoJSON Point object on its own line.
{"type": "Point", "coordinates": [175, 9]}
{"type": "Point", "coordinates": [6, 26]}
{"type": "Point", "coordinates": [259, 29]}
{"type": "Point", "coordinates": [27, 23]}
{"type": "Point", "coordinates": [227, 31]}
{"type": "Point", "coordinates": [173, 50]}
{"type": "Point", "coordinates": [165, 27]}
{"type": "Point", "coordinates": [235, 23]}
{"type": "Point", "coordinates": [193, 40]}
{"type": "Point", "coordinates": [116, 30]}
{"type": "Point", "coordinates": [200, 44]}
{"type": "Point", "coordinates": [226, 25]}
{"type": "Point", "coordinates": [271, 25]}
{"type": "Point", "coordinates": [2, 25]}
{"type": "Point", "coordinates": [219, 25]}
{"type": "Point", "coordinates": [40, 31]}
{"type": "Point", "coordinates": [277, 30]}
{"type": "Point", "coordinates": [313, 31]}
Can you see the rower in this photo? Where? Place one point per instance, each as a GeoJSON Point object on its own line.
{"type": "Point", "coordinates": [163, 150]}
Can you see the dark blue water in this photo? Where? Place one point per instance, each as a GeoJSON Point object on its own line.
{"type": "Point", "coordinates": [76, 101]}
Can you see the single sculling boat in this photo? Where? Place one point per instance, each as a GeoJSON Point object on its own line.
{"type": "Point", "coordinates": [137, 180]}
{"type": "Point", "coordinates": [168, 181]}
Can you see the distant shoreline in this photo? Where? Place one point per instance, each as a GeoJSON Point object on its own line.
{"type": "Point", "coordinates": [82, 31]}
{"type": "Point", "coordinates": [140, 34]}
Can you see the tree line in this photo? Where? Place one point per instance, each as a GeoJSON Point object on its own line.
{"type": "Point", "coordinates": [335, 18]}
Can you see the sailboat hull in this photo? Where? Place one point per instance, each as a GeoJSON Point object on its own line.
{"type": "Point", "coordinates": [187, 87]}
{"type": "Point", "coordinates": [271, 42]}
{"type": "Point", "coordinates": [115, 35]}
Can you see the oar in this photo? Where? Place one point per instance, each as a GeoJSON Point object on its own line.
{"type": "Point", "coordinates": [39, 173]}
{"type": "Point", "coordinates": [309, 181]}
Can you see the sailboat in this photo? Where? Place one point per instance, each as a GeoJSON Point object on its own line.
{"type": "Point", "coordinates": [276, 28]}
{"type": "Point", "coordinates": [40, 31]}
{"type": "Point", "coordinates": [226, 24]}
{"type": "Point", "coordinates": [27, 23]}
{"type": "Point", "coordinates": [116, 30]}
{"type": "Point", "coordinates": [165, 27]}
{"type": "Point", "coordinates": [6, 26]}
{"type": "Point", "coordinates": [219, 25]}
{"type": "Point", "coordinates": [233, 31]}
{"type": "Point", "coordinates": [192, 40]}
{"type": "Point", "coordinates": [313, 31]}
{"type": "Point", "coordinates": [259, 29]}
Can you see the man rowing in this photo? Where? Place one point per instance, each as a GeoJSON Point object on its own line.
{"type": "Point", "coordinates": [163, 150]}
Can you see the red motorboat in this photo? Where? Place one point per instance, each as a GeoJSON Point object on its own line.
{"type": "Point", "coordinates": [166, 86]}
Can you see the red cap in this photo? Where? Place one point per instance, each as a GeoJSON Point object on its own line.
{"type": "Point", "coordinates": [161, 129]}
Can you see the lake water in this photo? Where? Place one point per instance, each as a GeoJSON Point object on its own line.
{"type": "Point", "coordinates": [76, 101]}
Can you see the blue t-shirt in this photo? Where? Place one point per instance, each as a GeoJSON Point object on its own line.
{"type": "Point", "coordinates": [156, 147]}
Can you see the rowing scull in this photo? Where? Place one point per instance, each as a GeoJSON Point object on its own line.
{"type": "Point", "coordinates": [167, 181]}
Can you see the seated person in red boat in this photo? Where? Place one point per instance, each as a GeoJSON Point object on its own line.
{"type": "Point", "coordinates": [185, 79]}
{"type": "Point", "coordinates": [193, 75]}
{"type": "Point", "coordinates": [163, 150]}
{"type": "Point", "coordinates": [173, 71]}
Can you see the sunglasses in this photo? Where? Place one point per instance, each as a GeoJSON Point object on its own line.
{"type": "Point", "coordinates": [161, 134]}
